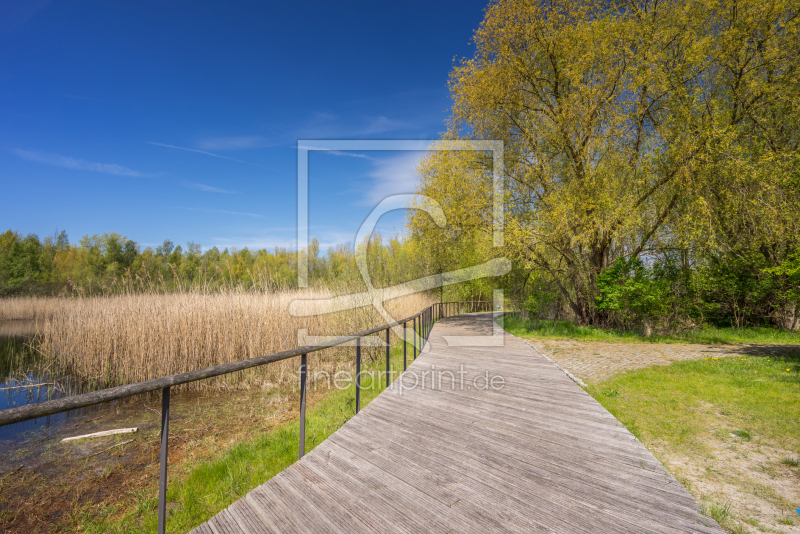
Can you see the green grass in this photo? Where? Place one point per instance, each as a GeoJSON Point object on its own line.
{"type": "Point", "coordinates": [562, 329]}
{"type": "Point", "coordinates": [212, 486]}
{"type": "Point", "coordinates": [751, 396]}
{"type": "Point", "coordinates": [718, 512]}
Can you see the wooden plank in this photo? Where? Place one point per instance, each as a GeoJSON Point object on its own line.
{"type": "Point", "coordinates": [615, 500]}
{"type": "Point", "coordinates": [376, 514]}
{"type": "Point", "coordinates": [446, 486]}
{"type": "Point", "coordinates": [383, 495]}
{"type": "Point", "coordinates": [396, 489]}
{"type": "Point", "coordinates": [202, 529]}
{"type": "Point", "coordinates": [509, 498]}
{"type": "Point", "coordinates": [495, 454]}
{"type": "Point", "coordinates": [248, 518]}
{"type": "Point", "coordinates": [274, 512]}
{"type": "Point", "coordinates": [532, 413]}
{"type": "Point", "coordinates": [620, 443]}
{"type": "Point", "coordinates": [298, 504]}
{"type": "Point", "coordinates": [224, 523]}
{"type": "Point", "coordinates": [587, 456]}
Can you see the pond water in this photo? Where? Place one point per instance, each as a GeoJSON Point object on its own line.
{"type": "Point", "coordinates": [26, 379]}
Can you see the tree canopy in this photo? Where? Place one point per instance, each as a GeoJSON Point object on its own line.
{"type": "Point", "coordinates": [632, 130]}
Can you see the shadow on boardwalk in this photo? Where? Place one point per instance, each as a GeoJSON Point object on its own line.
{"type": "Point", "coordinates": [536, 454]}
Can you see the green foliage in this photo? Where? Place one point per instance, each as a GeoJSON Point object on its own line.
{"type": "Point", "coordinates": [632, 295]}
{"type": "Point", "coordinates": [752, 287]}
{"type": "Point", "coordinates": [111, 262]}
{"type": "Point", "coordinates": [20, 258]}
{"type": "Point", "coordinates": [540, 300]}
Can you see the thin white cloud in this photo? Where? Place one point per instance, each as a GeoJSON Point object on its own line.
{"type": "Point", "coordinates": [234, 143]}
{"type": "Point", "coordinates": [202, 152]}
{"type": "Point", "coordinates": [393, 175]}
{"type": "Point", "coordinates": [208, 188]}
{"type": "Point", "coordinates": [78, 164]}
{"type": "Point", "coordinates": [326, 126]}
{"type": "Point", "coordinates": [209, 210]}
{"type": "Point", "coordinates": [383, 124]}
{"type": "Point", "coordinates": [335, 152]}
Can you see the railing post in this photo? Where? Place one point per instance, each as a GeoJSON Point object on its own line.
{"type": "Point", "coordinates": [405, 346]}
{"type": "Point", "coordinates": [416, 338]}
{"type": "Point", "coordinates": [162, 477]}
{"type": "Point", "coordinates": [303, 373]}
{"type": "Point", "coordinates": [358, 374]}
{"type": "Point", "coordinates": [388, 365]}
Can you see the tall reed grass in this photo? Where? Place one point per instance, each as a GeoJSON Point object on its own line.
{"type": "Point", "coordinates": [30, 308]}
{"type": "Point", "coordinates": [121, 339]}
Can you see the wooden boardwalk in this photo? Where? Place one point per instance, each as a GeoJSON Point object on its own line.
{"type": "Point", "coordinates": [535, 455]}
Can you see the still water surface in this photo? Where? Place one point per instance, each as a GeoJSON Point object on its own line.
{"type": "Point", "coordinates": [26, 379]}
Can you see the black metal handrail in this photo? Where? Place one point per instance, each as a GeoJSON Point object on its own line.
{"type": "Point", "coordinates": [422, 324]}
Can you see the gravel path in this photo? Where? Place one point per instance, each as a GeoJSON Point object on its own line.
{"type": "Point", "coordinates": [595, 361]}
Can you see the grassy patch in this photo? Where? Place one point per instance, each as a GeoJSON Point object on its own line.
{"type": "Point", "coordinates": [210, 486]}
{"type": "Point", "coordinates": [721, 513]}
{"type": "Point", "coordinates": [561, 329]}
{"type": "Point", "coordinates": [716, 417]}
{"type": "Point", "coordinates": [685, 401]}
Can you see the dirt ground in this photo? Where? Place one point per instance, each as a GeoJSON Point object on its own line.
{"type": "Point", "coordinates": [46, 485]}
{"type": "Point", "coordinates": [596, 361]}
{"type": "Point", "coordinates": [746, 480]}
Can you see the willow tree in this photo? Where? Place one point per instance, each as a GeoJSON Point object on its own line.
{"type": "Point", "coordinates": [622, 124]}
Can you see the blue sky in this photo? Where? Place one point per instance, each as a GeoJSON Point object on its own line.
{"type": "Point", "coordinates": [180, 120]}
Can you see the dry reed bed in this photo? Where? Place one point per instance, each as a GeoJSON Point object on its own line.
{"type": "Point", "coordinates": [122, 339]}
{"type": "Point", "coordinates": [31, 308]}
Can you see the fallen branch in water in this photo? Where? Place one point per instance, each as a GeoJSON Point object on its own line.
{"type": "Point", "coordinates": [103, 433]}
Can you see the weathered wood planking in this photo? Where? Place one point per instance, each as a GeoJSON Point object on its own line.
{"type": "Point", "coordinates": [537, 455]}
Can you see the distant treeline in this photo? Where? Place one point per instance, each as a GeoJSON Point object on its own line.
{"type": "Point", "coordinates": [110, 262]}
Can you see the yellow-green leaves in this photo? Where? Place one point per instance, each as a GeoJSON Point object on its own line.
{"type": "Point", "coordinates": [629, 127]}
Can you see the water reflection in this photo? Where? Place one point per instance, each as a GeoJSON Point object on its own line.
{"type": "Point", "coordinates": [25, 378]}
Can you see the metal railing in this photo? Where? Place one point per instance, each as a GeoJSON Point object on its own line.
{"type": "Point", "coordinates": [422, 323]}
